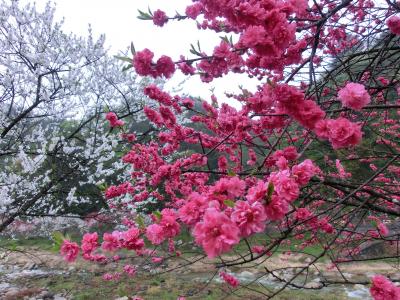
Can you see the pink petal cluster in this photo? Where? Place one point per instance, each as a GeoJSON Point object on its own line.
{"type": "Point", "coordinates": [113, 119]}
{"type": "Point", "coordinates": [249, 217]}
{"type": "Point", "coordinates": [112, 241]}
{"type": "Point", "coordinates": [354, 96]}
{"type": "Point", "coordinates": [229, 279]}
{"type": "Point", "coordinates": [130, 270]}
{"type": "Point", "coordinates": [144, 66]}
{"type": "Point", "coordinates": [159, 18]}
{"type": "Point", "coordinates": [69, 250]}
{"type": "Point", "coordinates": [394, 24]}
{"type": "Point", "coordinates": [217, 233]}
{"type": "Point", "coordinates": [383, 289]}
{"type": "Point", "coordinates": [340, 132]}
{"type": "Point", "coordinates": [286, 186]}
{"type": "Point", "coordinates": [192, 211]}
{"type": "Point", "coordinates": [131, 239]}
{"type": "Point", "coordinates": [89, 242]}
{"type": "Point", "coordinates": [167, 227]}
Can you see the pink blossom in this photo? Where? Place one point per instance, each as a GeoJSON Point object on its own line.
{"type": "Point", "coordinates": [258, 192]}
{"type": "Point", "coordinates": [229, 279]}
{"type": "Point", "coordinates": [132, 240]}
{"type": "Point", "coordinates": [165, 66]}
{"type": "Point", "coordinates": [153, 116]}
{"type": "Point", "coordinates": [170, 226]}
{"type": "Point", "coordinates": [354, 96]}
{"type": "Point", "coordinates": [142, 62]}
{"type": "Point", "coordinates": [303, 172]}
{"type": "Point", "coordinates": [285, 186]}
{"type": "Point", "coordinates": [384, 289]}
{"type": "Point", "coordinates": [191, 212]}
{"type": "Point", "coordinates": [343, 133]}
{"type": "Point", "coordinates": [89, 242]}
{"type": "Point", "coordinates": [276, 209]}
{"type": "Point", "coordinates": [258, 249]}
{"type": "Point", "coordinates": [69, 250]}
{"type": "Point", "coordinates": [216, 233]}
{"type": "Point", "coordinates": [155, 234]}
{"type": "Point", "coordinates": [130, 270]}
{"type": "Point", "coordinates": [232, 187]}
{"type": "Point", "coordinates": [249, 217]}
{"type": "Point", "coordinates": [342, 172]}
{"type": "Point", "coordinates": [111, 241]}
{"type": "Point", "coordinates": [159, 18]}
{"type": "Point", "coordinates": [383, 230]}
{"type": "Point", "coordinates": [194, 10]}
{"type": "Point", "coordinates": [144, 65]}
{"type": "Point", "coordinates": [394, 24]}
{"type": "Point", "coordinates": [156, 259]}
{"type": "Point", "coordinates": [303, 214]}
{"type": "Point", "coordinates": [108, 277]}
{"type": "Point", "coordinates": [113, 119]}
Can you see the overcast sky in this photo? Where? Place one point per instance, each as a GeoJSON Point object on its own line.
{"type": "Point", "coordinates": [117, 19]}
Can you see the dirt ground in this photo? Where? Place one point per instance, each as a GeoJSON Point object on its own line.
{"type": "Point", "coordinates": [41, 274]}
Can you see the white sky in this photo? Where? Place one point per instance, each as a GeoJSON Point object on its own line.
{"type": "Point", "coordinates": [118, 21]}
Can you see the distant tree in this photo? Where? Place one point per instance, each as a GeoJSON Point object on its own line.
{"type": "Point", "coordinates": [56, 153]}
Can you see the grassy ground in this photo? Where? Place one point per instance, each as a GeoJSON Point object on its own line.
{"type": "Point", "coordinates": [81, 283]}
{"type": "Point", "coordinates": [92, 286]}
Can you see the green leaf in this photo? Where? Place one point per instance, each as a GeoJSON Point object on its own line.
{"type": "Point", "coordinates": [126, 59]}
{"type": "Point", "coordinates": [102, 187]}
{"type": "Point", "coordinates": [229, 203]}
{"type": "Point", "coordinates": [126, 68]}
{"type": "Point", "coordinates": [13, 245]}
{"type": "Point", "coordinates": [270, 191]}
{"type": "Point", "coordinates": [225, 39]}
{"type": "Point", "coordinates": [157, 214]}
{"type": "Point", "coordinates": [149, 10]}
{"type": "Point", "coordinates": [133, 50]}
{"type": "Point", "coordinates": [58, 239]}
{"type": "Point", "coordinates": [231, 173]}
{"type": "Point", "coordinates": [140, 222]}
{"type": "Point", "coordinates": [145, 16]}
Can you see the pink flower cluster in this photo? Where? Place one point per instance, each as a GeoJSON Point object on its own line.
{"type": "Point", "coordinates": [217, 233]}
{"type": "Point", "coordinates": [113, 119]}
{"type": "Point", "coordinates": [167, 227]}
{"type": "Point", "coordinates": [144, 65]}
{"type": "Point", "coordinates": [69, 250]}
{"type": "Point", "coordinates": [340, 132]}
{"type": "Point", "coordinates": [159, 18]}
{"type": "Point", "coordinates": [354, 96]}
{"type": "Point", "coordinates": [394, 24]}
{"type": "Point", "coordinates": [384, 289]}
{"type": "Point", "coordinates": [229, 279]}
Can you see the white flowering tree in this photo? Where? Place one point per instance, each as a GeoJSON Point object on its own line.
{"type": "Point", "coordinates": [55, 88]}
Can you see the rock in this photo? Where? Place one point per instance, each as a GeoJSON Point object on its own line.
{"type": "Point", "coordinates": [30, 266]}
{"type": "Point", "coordinates": [122, 298]}
{"type": "Point", "coordinates": [308, 260]}
{"type": "Point", "coordinates": [46, 295]}
{"type": "Point", "coordinates": [11, 292]}
{"type": "Point", "coordinates": [59, 297]}
{"type": "Point", "coordinates": [358, 287]}
{"type": "Point", "coordinates": [246, 275]}
{"type": "Point", "coordinates": [313, 285]}
{"type": "Point", "coordinates": [4, 286]}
